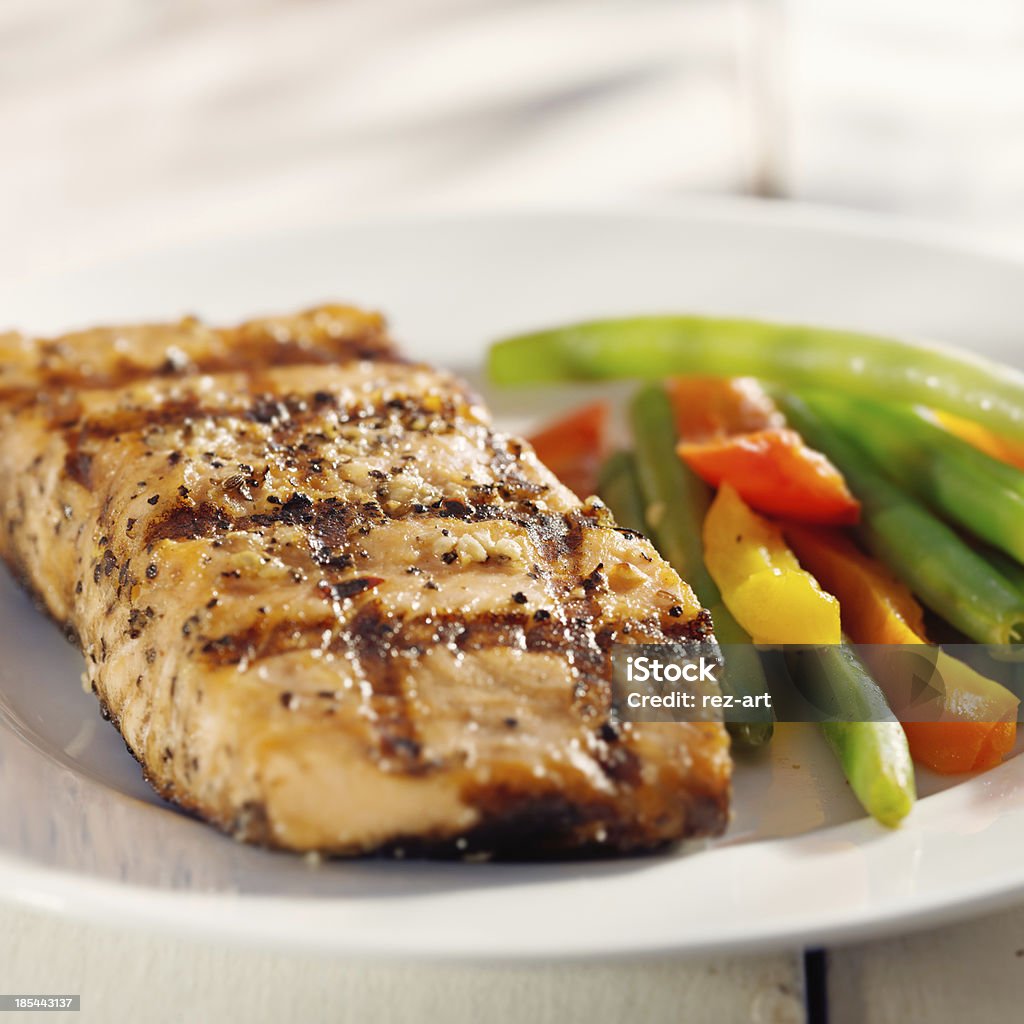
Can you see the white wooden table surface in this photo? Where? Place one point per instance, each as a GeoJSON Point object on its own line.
{"type": "Point", "coordinates": [126, 124]}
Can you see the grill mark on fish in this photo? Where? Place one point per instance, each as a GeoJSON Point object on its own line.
{"type": "Point", "coordinates": [78, 466]}
{"type": "Point", "coordinates": [266, 351]}
{"type": "Point", "coordinates": [379, 633]}
{"type": "Point", "coordinates": [260, 640]}
{"type": "Point", "coordinates": [189, 522]}
{"type": "Point", "coordinates": [289, 415]}
{"type": "Point", "coordinates": [369, 635]}
{"type": "Point", "coordinates": [331, 525]}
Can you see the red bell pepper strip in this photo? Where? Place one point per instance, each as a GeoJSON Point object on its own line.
{"type": "Point", "coordinates": [732, 433]}
{"type": "Point", "coordinates": [574, 447]}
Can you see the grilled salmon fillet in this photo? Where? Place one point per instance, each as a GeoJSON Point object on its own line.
{"type": "Point", "coordinates": [329, 607]}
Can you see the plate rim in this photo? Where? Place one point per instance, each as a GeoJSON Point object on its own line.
{"type": "Point", "coordinates": [802, 215]}
{"type": "Point", "coordinates": [86, 898]}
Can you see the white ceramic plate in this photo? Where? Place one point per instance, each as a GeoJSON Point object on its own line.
{"type": "Point", "coordinates": [81, 833]}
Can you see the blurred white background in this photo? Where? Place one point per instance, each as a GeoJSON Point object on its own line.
{"type": "Point", "coordinates": [126, 124]}
{"type": "Point", "coordinates": [132, 124]}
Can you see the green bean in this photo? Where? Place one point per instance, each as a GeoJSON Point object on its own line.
{"type": "Point", "coordinates": [1010, 569]}
{"type": "Point", "coordinates": [964, 485]}
{"type": "Point", "coordinates": [676, 499]}
{"type": "Point", "coordinates": [865, 735]}
{"type": "Point", "coordinates": [676, 502]}
{"type": "Point", "coordinates": [653, 347]}
{"type": "Point", "coordinates": [619, 488]}
{"type": "Point", "coordinates": [951, 579]}
{"type": "Point", "coordinates": [1013, 572]}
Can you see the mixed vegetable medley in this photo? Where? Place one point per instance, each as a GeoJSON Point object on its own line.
{"type": "Point", "coordinates": [818, 488]}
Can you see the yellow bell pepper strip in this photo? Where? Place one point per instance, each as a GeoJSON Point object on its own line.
{"type": "Point", "coordinates": [1003, 448]}
{"type": "Point", "coordinates": [979, 725]}
{"type": "Point", "coordinates": [779, 602]}
{"type": "Point", "coordinates": [731, 432]}
{"type": "Point", "coordinates": [762, 583]}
